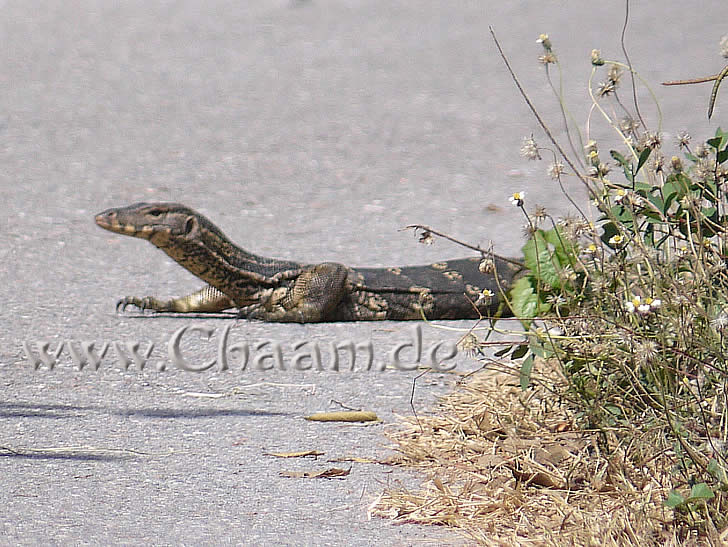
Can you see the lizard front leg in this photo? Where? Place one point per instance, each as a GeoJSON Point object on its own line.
{"type": "Point", "coordinates": [206, 300]}
{"type": "Point", "coordinates": [309, 298]}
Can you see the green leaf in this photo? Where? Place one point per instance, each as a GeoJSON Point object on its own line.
{"type": "Point", "coordinates": [670, 192]}
{"type": "Point", "coordinates": [619, 157]}
{"type": "Point", "coordinates": [524, 299]}
{"type": "Point", "coordinates": [674, 499]}
{"type": "Point", "coordinates": [538, 349]}
{"type": "Point", "coordinates": [714, 142]}
{"type": "Point", "coordinates": [538, 256]}
{"type": "Point", "coordinates": [715, 469]}
{"type": "Point", "coordinates": [643, 188]}
{"type": "Point", "coordinates": [542, 348]}
{"type": "Point", "coordinates": [644, 155]}
{"type": "Point", "coordinates": [525, 375]}
{"type": "Point", "coordinates": [519, 352]}
{"type": "Point", "coordinates": [613, 410]}
{"type": "Point", "coordinates": [502, 352]}
{"type": "Point", "coordinates": [565, 252]}
{"type": "Point", "coordinates": [719, 141]}
{"type": "Point", "coordinates": [701, 491]}
{"type": "Point", "coordinates": [626, 166]}
{"type": "Point", "coordinates": [722, 155]}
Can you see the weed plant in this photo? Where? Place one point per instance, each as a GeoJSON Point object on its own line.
{"type": "Point", "coordinates": [631, 298]}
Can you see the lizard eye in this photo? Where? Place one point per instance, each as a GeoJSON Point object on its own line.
{"type": "Point", "coordinates": [189, 225]}
{"type": "Point", "coordinates": [155, 212]}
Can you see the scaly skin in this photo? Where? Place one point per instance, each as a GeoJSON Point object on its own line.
{"type": "Point", "coordinates": [287, 291]}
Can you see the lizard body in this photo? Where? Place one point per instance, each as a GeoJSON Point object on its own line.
{"type": "Point", "coordinates": [288, 291]}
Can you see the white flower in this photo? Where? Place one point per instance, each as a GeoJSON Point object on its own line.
{"type": "Point", "coordinates": [517, 199]}
{"type": "Point", "coordinates": [643, 307]}
{"type": "Point", "coordinates": [616, 240]}
{"type": "Point", "coordinates": [543, 39]}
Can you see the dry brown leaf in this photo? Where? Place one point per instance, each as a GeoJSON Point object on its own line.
{"type": "Point", "coordinates": [344, 416]}
{"type": "Point", "coordinates": [490, 460]}
{"type": "Point", "coordinates": [538, 478]}
{"type": "Point", "coordinates": [353, 459]}
{"type": "Point", "coordinates": [331, 473]}
{"type": "Point", "coordinates": [302, 454]}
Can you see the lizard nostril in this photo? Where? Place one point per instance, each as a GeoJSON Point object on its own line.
{"type": "Point", "coordinates": [106, 218]}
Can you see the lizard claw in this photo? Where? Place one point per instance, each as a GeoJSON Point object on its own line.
{"type": "Point", "coordinates": [140, 303]}
{"type": "Point", "coordinates": [253, 313]}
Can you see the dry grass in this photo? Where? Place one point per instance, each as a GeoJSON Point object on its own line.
{"type": "Point", "coordinates": [508, 467]}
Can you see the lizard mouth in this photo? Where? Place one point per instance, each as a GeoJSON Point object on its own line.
{"type": "Point", "coordinates": [109, 220]}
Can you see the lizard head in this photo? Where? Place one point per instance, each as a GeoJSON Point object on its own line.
{"type": "Point", "coordinates": [160, 223]}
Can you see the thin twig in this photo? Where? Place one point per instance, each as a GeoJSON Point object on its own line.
{"type": "Point", "coordinates": [629, 64]}
{"type": "Point", "coordinates": [718, 78]}
{"type": "Point", "coordinates": [693, 80]}
{"type": "Point", "coordinates": [567, 159]}
{"type": "Point", "coordinates": [484, 252]}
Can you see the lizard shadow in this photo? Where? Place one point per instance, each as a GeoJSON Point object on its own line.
{"type": "Point", "coordinates": [65, 411]}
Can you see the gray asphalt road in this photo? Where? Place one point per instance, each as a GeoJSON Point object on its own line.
{"type": "Point", "coordinates": [311, 130]}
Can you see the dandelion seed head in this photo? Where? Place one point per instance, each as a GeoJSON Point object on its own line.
{"type": "Point", "coordinates": [646, 351]}
{"type": "Point", "coordinates": [540, 213]}
{"type": "Point", "coordinates": [651, 140]}
{"type": "Point", "coordinates": [547, 59]}
{"type": "Point", "coordinates": [529, 149]}
{"type": "Point", "coordinates": [628, 125]}
{"type": "Point", "coordinates": [683, 139]}
{"type": "Point", "coordinates": [555, 170]}
{"type": "Point", "coordinates": [596, 57]}
{"type": "Point", "coordinates": [556, 300]}
{"type": "Point", "coordinates": [569, 273]}
{"type": "Point", "coordinates": [720, 322]}
{"type": "Point", "coordinates": [528, 230]}
{"type": "Point", "coordinates": [487, 265]}
{"type": "Point", "coordinates": [702, 151]}
{"type": "Point", "coordinates": [469, 344]}
{"type": "Point", "coordinates": [658, 162]}
{"type": "Point", "coordinates": [606, 88]}
{"type": "Point", "coordinates": [724, 46]}
{"type": "Point", "coordinates": [614, 75]}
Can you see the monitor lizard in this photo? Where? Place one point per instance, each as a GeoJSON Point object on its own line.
{"type": "Point", "coordinates": [286, 291]}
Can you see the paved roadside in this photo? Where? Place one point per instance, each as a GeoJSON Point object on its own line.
{"type": "Point", "coordinates": [309, 130]}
